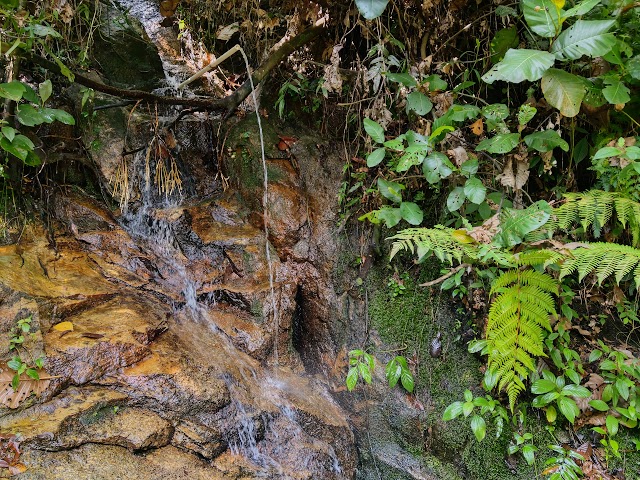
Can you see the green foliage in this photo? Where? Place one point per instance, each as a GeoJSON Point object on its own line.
{"type": "Point", "coordinates": [361, 366]}
{"type": "Point", "coordinates": [398, 369]}
{"type": "Point", "coordinates": [17, 363]}
{"type": "Point", "coordinates": [524, 445]}
{"type": "Point", "coordinates": [371, 9]}
{"type": "Point", "coordinates": [439, 241]}
{"type": "Point", "coordinates": [563, 466]}
{"type": "Point", "coordinates": [518, 317]}
{"type": "Point", "coordinates": [485, 405]}
{"type": "Point", "coordinates": [605, 260]}
{"type": "Point", "coordinates": [552, 390]}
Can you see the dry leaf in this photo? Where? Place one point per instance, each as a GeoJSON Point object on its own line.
{"type": "Point", "coordinates": [484, 233]}
{"type": "Point", "coordinates": [477, 127]}
{"type": "Point", "coordinates": [515, 177]}
{"type": "Point", "coordinates": [225, 33]}
{"type": "Point", "coordinates": [26, 387]}
{"type": "Point", "coordinates": [458, 155]}
{"type": "Point", "coordinates": [168, 7]}
{"type": "Point", "coordinates": [63, 327]}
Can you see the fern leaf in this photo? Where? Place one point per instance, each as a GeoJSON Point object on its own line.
{"type": "Point", "coordinates": [518, 319]}
{"type": "Point", "coordinates": [605, 260]}
{"type": "Point", "coordinates": [438, 241]}
{"type": "Point", "coordinates": [538, 257]}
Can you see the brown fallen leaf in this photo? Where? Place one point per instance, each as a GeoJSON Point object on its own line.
{"type": "Point", "coordinates": [477, 127]}
{"type": "Point", "coordinates": [92, 335]}
{"type": "Point", "coordinates": [27, 386]}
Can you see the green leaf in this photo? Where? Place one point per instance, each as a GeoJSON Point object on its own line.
{"type": "Point", "coordinates": [452, 411]}
{"type": "Point", "coordinates": [14, 363]}
{"type": "Point", "coordinates": [371, 9]}
{"type": "Point", "coordinates": [581, 8]}
{"type": "Point", "coordinates": [436, 83]}
{"type": "Point", "coordinates": [419, 103]}
{"type": "Point", "coordinates": [501, 143]}
{"type": "Point", "coordinates": [390, 190]}
{"type": "Point", "coordinates": [9, 133]}
{"type": "Point", "coordinates": [612, 425]}
{"type": "Point", "coordinates": [495, 112]}
{"type": "Point", "coordinates": [390, 216]}
{"type": "Point", "coordinates": [15, 382]}
{"type": "Point", "coordinates": [32, 373]}
{"type": "Point", "coordinates": [616, 91]}
{"type": "Point", "coordinates": [29, 116]}
{"type": "Point", "coordinates": [45, 89]}
{"type": "Point", "coordinates": [607, 152]}
{"type": "Point", "coordinates": [633, 67]}
{"type": "Point", "coordinates": [405, 79]}
{"type": "Point", "coordinates": [475, 190]}
{"type": "Point", "coordinates": [576, 391]}
{"type": "Point", "coordinates": [375, 157]}
{"type": "Point", "coordinates": [479, 427]}
{"type": "Point", "coordinates": [563, 91]}
{"type": "Point", "coordinates": [12, 90]}
{"type": "Point", "coordinates": [63, 116]}
{"type": "Point", "coordinates": [599, 405]}
{"type": "Point", "coordinates": [30, 95]}
{"type": "Point", "coordinates": [392, 372]}
{"type": "Point", "coordinates": [594, 355]}
{"type": "Point", "coordinates": [374, 129]}
{"type": "Point", "coordinates": [411, 213]}
{"type": "Point", "coordinates": [502, 41]}
{"type": "Point", "coordinates": [40, 30]}
{"type": "Point", "coordinates": [352, 378]}
{"type": "Point", "coordinates": [529, 453]}
{"type": "Point", "coordinates": [467, 408]}
{"type": "Point", "coordinates": [460, 113]}
{"type": "Point", "coordinates": [542, 386]}
{"type": "Point", "coordinates": [585, 37]}
{"type": "Point", "coordinates": [551, 414]}
{"type": "Point", "coordinates": [365, 372]}
{"type": "Point", "coordinates": [546, 141]}
{"type": "Point", "coordinates": [470, 167]}
{"type": "Point", "coordinates": [455, 199]}
{"type": "Point", "coordinates": [407, 380]}
{"type": "Point", "coordinates": [515, 224]}
{"type": "Point", "coordinates": [542, 16]}
{"type": "Point", "coordinates": [525, 113]}
{"type": "Point", "coordinates": [568, 408]}
{"type": "Point", "coordinates": [436, 166]}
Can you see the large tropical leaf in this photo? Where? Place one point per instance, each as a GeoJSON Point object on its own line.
{"type": "Point", "coordinates": [585, 37]}
{"type": "Point", "coordinates": [515, 224]}
{"type": "Point", "coordinates": [564, 91]}
{"type": "Point", "coordinates": [519, 65]}
{"type": "Point", "coordinates": [371, 9]}
{"type": "Point", "coordinates": [542, 16]}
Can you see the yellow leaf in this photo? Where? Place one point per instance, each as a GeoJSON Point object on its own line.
{"type": "Point", "coordinates": [461, 236]}
{"type": "Point", "coordinates": [559, 3]}
{"type": "Point", "coordinates": [63, 327]}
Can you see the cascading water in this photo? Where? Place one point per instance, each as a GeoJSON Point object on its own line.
{"type": "Point", "coordinates": [263, 441]}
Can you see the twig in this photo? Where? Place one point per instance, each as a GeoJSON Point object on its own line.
{"type": "Point", "coordinates": [451, 273]}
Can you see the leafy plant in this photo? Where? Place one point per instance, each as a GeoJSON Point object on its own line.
{"type": "Point", "coordinates": [17, 364]}
{"type": "Point", "coordinates": [563, 466]}
{"type": "Point", "coordinates": [485, 405]}
{"type": "Point", "coordinates": [524, 445]}
{"type": "Point", "coordinates": [398, 369]}
{"type": "Point", "coordinates": [361, 366]}
{"type": "Point", "coordinates": [554, 390]}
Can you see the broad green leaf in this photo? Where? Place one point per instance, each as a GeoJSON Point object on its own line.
{"type": "Point", "coordinates": [470, 167]}
{"type": "Point", "coordinates": [32, 159]}
{"type": "Point", "coordinates": [374, 129]}
{"type": "Point", "coordinates": [529, 453]}
{"type": "Point", "coordinates": [542, 386]}
{"type": "Point", "coordinates": [452, 411]}
{"type": "Point", "coordinates": [546, 141]}
{"type": "Point", "coordinates": [520, 65]}
{"type": "Point", "coordinates": [352, 378]}
{"type": "Point", "coordinates": [515, 224]}
{"type": "Point", "coordinates": [436, 166]}
{"type": "Point", "coordinates": [563, 91]}
{"type": "Point", "coordinates": [392, 372]}
{"type": "Point", "coordinates": [495, 114]}
{"type": "Point", "coordinates": [405, 79]}
{"type": "Point", "coordinates": [568, 408]}
{"type": "Point", "coordinates": [411, 212]}
{"type": "Point", "coordinates": [375, 157]}
{"type": "Point", "coordinates": [371, 9]}
{"type": "Point", "coordinates": [419, 103]}
{"type": "Point", "coordinates": [32, 373]}
{"type": "Point", "coordinates": [594, 355]}
{"type": "Point", "coordinates": [413, 156]}
{"type": "Point", "coordinates": [390, 216]}
{"type": "Point", "coordinates": [460, 113]}
{"type": "Point", "coordinates": [479, 427]}
{"type": "Point", "coordinates": [612, 425]}
{"type": "Point", "coordinates": [30, 94]}
{"type": "Point", "coordinates": [576, 391]}
{"type": "Point", "coordinates": [467, 408]}
{"type": "Point", "coordinates": [407, 380]}
{"type": "Point", "coordinates": [475, 190]}
{"type": "Point", "coordinates": [585, 37]}
{"type": "Point", "coordinates": [63, 117]}
{"type": "Point", "coordinates": [616, 91]}
{"type": "Point", "coordinates": [543, 17]}
{"type": "Point", "coordinates": [501, 143]}
{"type": "Point", "coordinates": [551, 414]}
{"type": "Point", "coordinates": [29, 116]}
{"type": "Point", "coordinates": [12, 90]}
{"type": "Point", "coordinates": [619, 52]}
{"type": "Point", "coordinates": [436, 83]}
{"type": "Point", "coordinates": [43, 31]}
{"type": "Point", "coordinates": [365, 372]}
{"type": "Point", "coordinates": [599, 405]}
{"type": "Point", "coordinates": [391, 190]}
{"type": "Point", "coordinates": [502, 41]}
{"type": "Point", "coordinates": [45, 89]}
{"type": "Point", "coordinates": [633, 67]}
{"type": "Point", "coordinates": [525, 113]}
{"type": "Point", "coordinates": [581, 8]}
{"type": "Point", "coordinates": [606, 152]}
{"type": "Point", "coordinates": [455, 199]}
{"type": "Point", "coordinates": [9, 132]}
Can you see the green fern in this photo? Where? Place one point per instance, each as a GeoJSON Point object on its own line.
{"type": "Point", "coordinates": [439, 241]}
{"type": "Point", "coordinates": [605, 259]}
{"type": "Point", "coordinates": [518, 318]}
{"type": "Point", "coordinates": [594, 209]}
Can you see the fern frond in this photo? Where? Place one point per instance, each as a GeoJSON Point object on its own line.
{"type": "Point", "coordinates": [604, 259]}
{"type": "Point", "coordinates": [594, 209]}
{"type": "Point", "coordinates": [538, 257]}
{"type": "Point", "coordinates": [438, 241]}
{"type": "Point", "coordinates": [518, 319]}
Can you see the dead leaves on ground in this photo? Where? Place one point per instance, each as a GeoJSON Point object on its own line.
{"type": "Point", "coordinates": [13, 398]}
{"type": "Point", "coordinates": [10, 454]}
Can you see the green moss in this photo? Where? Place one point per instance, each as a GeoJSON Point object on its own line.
{"type": "Point", "coordinates": [410, 321]}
